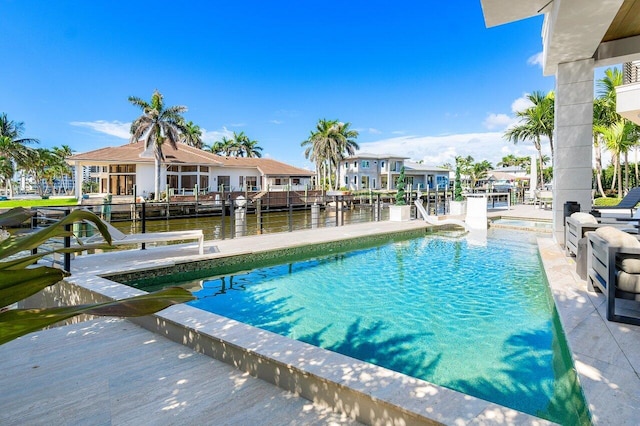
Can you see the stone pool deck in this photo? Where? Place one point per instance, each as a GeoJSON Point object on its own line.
{"type": "Point", "coordinates": [114, 372]}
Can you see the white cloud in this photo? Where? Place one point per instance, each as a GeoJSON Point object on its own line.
{"type": "Point", "coordinates": [275, 121]}
{"type": "Point", "coordinates": [398, 132]}
{"type": "Point", "coordinates": [521, 103]}
{"type": "Point", "coordinates": [438, 150]}
{"type": "Point", "coordinates": [113, 128]}
{"type": "Point", "coordinates": [212, 136]}
{"type": "Point", "coordinates": [498, 121]}
{"type": "Point", "coordinates": [535, 59]}
{"type": "Point", "coordinates": [373, 131]}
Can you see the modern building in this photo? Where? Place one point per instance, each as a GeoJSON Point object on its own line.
{"type": "Point", "coordinates": [380, 172]}
{"type": "Point", "coordinates": [120, 170]}
{"type": "Point", "coordinates": [577, 37]}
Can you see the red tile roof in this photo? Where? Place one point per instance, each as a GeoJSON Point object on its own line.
{"type": "Point", "coordinates": [130, 153]}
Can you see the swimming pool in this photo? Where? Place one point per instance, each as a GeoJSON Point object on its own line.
{"type": "Point", "coordinates": [523, 224]}
{"type": "Point", "coordinates": [475, 318]}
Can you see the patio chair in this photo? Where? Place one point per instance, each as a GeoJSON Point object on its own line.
{"type": "Point", "coordinates": [579, 223]}
{"type": "Point", "coordinates": [628, 202]}
{"type": "Point", "coordinates": [120, 238]}
{"type": "Point", "coordinates": [614, 269]}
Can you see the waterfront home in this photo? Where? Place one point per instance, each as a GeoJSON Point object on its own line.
{"type": "Point", "coordinates": [380, 172]}
{"type": "Point", "coordinates": [118, 170]}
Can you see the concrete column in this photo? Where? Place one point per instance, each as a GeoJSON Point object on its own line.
{"type": "Point", "coordinates": [572, 162]}
{"type": "Point", "coordinates": [78, 181]}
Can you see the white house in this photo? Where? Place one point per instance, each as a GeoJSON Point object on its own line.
{"type": "Point", "coordinates": [121, 169]}
{"type": "Point", "coordinates": [380, 171]}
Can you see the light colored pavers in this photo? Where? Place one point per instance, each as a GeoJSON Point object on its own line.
{"type": "Point", "coordinates": [606, 354]}
{"type": "Point", "coordinates": [113, 372]}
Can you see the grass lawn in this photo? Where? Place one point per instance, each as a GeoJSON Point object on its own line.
{"type": "Point", "coordinates": [608, 201]}
{"type": "Point", "coordinates": [8, 204]}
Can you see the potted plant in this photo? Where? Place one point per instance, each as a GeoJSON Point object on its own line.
{"type": "Point", "coordinates": [457, 206]}
{"type": "Point", "coordinates": [400, 212]}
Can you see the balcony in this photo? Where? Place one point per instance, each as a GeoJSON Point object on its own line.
{"type": "Point", "coordinates": [628, 94]}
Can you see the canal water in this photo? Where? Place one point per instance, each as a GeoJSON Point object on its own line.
{"type": "Point", "coordinates": [271, 222]}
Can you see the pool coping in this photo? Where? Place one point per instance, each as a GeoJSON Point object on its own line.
{"type": "Point", "coordinates": [365, 392]}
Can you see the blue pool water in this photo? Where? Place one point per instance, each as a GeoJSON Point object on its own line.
{"type": "Point", "coordinates": [475, 318]}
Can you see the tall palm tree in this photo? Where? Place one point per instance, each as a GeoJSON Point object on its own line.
{"type": "Point", "coordinates": [317, 147]}
{"type": "Point", "coordinates": [346, 145]}
{"type": "Point", "coordinates": [248, 148]}
{"type": "Point", "coordinates": [61, 167]}
{"type": "Point", "coordinates": [192, 135]}
{"type": "Point", "coordinates": [157, 124]}
{"type": "Point", "coordinates": [39, 164]}
{"type": "Point", "coordinates": [331, 142]}
{"type": "Point", "coordinates": [618, 140]}
{"type": "Point", "coordinates": [13, 147]}
{"type": "Point", "coordinates": [535, 122]}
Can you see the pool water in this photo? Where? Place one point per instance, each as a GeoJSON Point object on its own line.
{"type": "Point", "coordinates": [523, 223]}
{"type": "Point", "coordinates": [475, 318]}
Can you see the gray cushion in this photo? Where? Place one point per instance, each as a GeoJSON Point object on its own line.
{"type": "Point", "coordinates": [582, 217]}
{"type": "Point", "coordinates": [628, 282]}
{"type": "Point", "coordinates": [629, 263]}
{"type": "Point", "coordinates": [617, 238]}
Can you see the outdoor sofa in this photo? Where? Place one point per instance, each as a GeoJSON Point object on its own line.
{"type": "Point", "coordinates": [613, 264]}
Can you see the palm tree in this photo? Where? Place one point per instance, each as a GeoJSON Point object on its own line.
{"type": "Point", "coordinates": [224, 146]}
{"type": "Point", "coordinates": [39, 164]}
{"type": "Point", "coordinates": [508, 161]}
{"type": "Point", "coordinates": [535, 122]}
{"type": "Point", "coordinates": [328, 145]}
{"type": "Point", "coordinates": [479, 171]}
{"type": "Point", "coordinates": [157, 124]}
{"type": "Point", "coordinates": [61, 167]}
{"type": "Point", "coordinates": [618, 139]}
{"type": "Point", "coordinates": [6, 171]}
{"type": "Point", "coordinates": [240, 145]}
{"type": "Point", "coordinates": [346, 145]}
{"type": "Point", "coordinates": [13, 146]}
{"type": "Point", "coordinates": [192, 135]}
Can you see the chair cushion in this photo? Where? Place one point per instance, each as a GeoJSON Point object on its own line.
{"type": "Point", "coordinates": [582, 217]}
{"type": "Point", "coordinates": [629, 263]}
{"type": "Point", "coordinates": [628, 282]}
{"type": "Point", "coordinates": [617, 238]}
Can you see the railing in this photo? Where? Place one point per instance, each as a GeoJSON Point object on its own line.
{"type": "Point", "coordinates": [631, 72]}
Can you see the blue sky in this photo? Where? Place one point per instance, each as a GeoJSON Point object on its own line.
{"type": "Point", "coordinates": [416, 78]}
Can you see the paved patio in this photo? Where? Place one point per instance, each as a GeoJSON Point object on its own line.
{"type": "Point", "coordinates": [110, 369]}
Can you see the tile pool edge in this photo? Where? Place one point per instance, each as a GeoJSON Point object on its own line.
{"type": "Point", "coordinates": [363, 391]}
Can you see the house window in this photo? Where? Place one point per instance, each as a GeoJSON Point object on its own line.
{"type": "Point", "coordinates": [364, 164]}
{"type": "Point", "coordinates": [355, 164]}
{"type": "Point", "coordinates": [355, 180]}
{"type": "Point", "coordinates": [295, 181]}
{"type": "Point", "coordinates": [204, 169]}
{"type": "Point", "coordinates": [172, 181]}
{"type": "Point", "coordinates": [224, 182]}
{"type": "Point", "coordinates": [189, 181]}
{"type": "Point", "coordinates": [204, 182]}
{"type": "Point", "coordinates": [172, 169]}
{"type": "Point", "coordinates": [122, 168]}
{"type": "Point", "coordinates": [189, 169]}
{"type": "Point", "coordinates": [382, 164]}
{"type": "Point", "coordinates": [252, 183]}
{"type": "Point", "coordinates": [241, 181]}
{"type": "Point", "coordinates": [346, 164]}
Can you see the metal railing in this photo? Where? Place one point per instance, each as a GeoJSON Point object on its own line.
{"type": "Point", "coordinates": [631, 72]}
